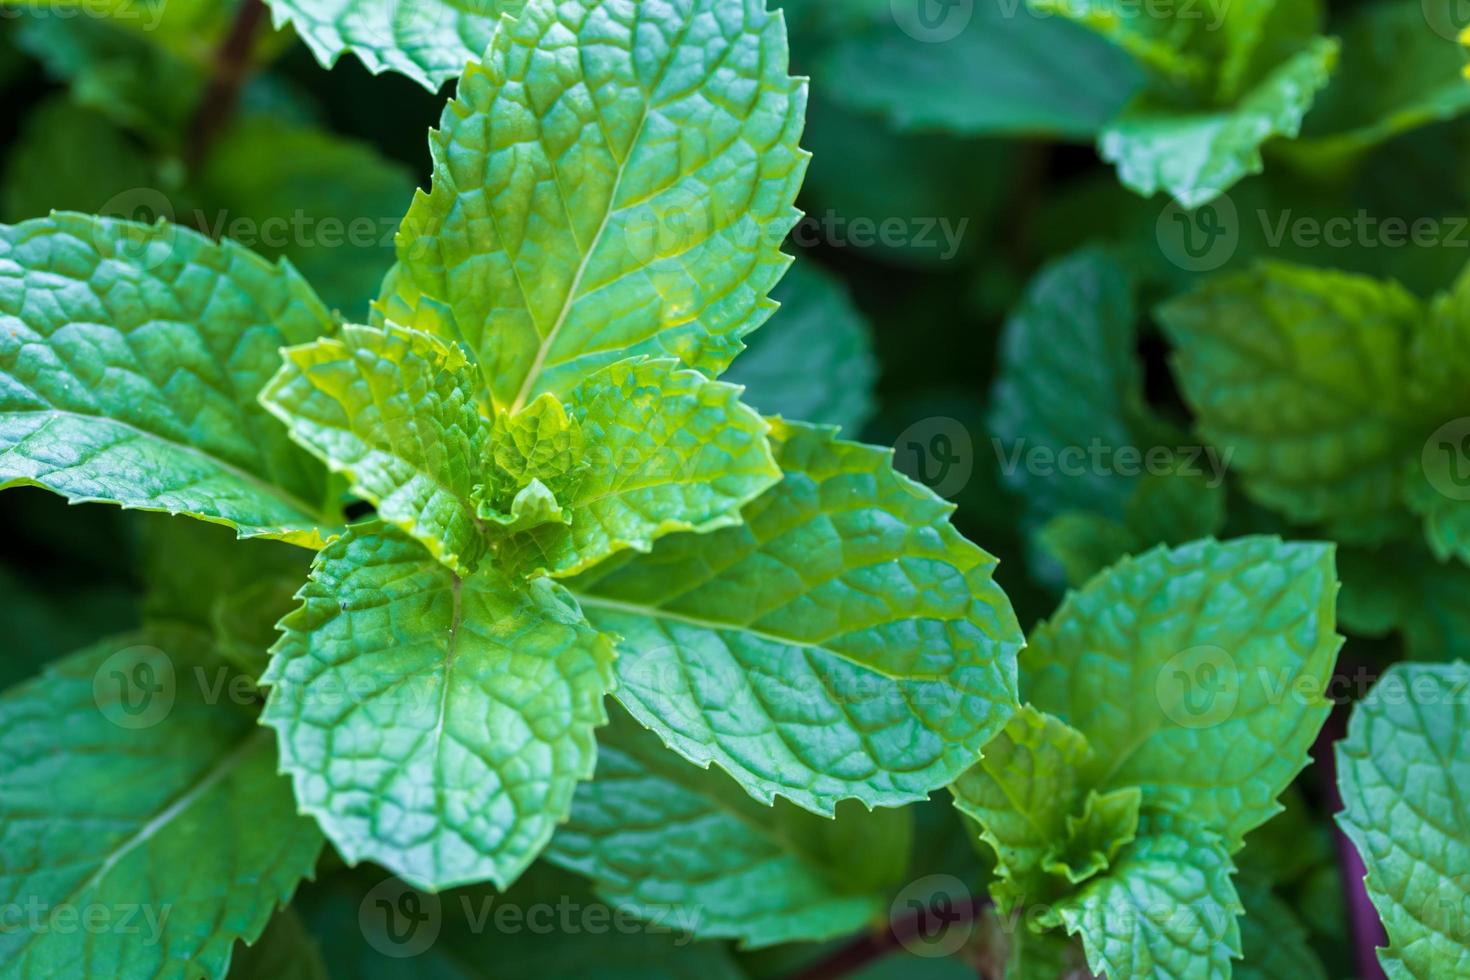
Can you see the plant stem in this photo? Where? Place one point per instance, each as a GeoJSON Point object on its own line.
{"type": "Point", "coordinates": [231, 68]}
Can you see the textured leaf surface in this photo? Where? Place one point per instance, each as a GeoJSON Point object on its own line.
{"type": "Point", "coordinates": [630, 197]}
{"type": "Point", "coordinates": [430, 41]}
{"type": "Point", "coordinates": [130, 360]}
{"type": "Point", "coordinates": [433, 724]}
{"type": "Point", "coordinates": [1303, 373]}
{"type": "Point", "coordinates": [814, 360]}
{"type": "Point", "coordinates": [844, 642]}
{"type": "Point", "coordinates": [1167, 909]}
{"type": "Point", "coordinates": [654, 832]}
{"type": "Point", "coordinates": [126, 786]}
{"type": "Point", "coordinates": [1196, 155]}
{"type": "Point", "coordinates": [1195, 674]}
{"type": "Point", "coordinates": [1402, 771]}
{"type": "Point", "coordinates": [395, 410]}
{"type": "Point", "coordinates": [982, 68]}
{"type": "Point", "coordinates": [665, 450]}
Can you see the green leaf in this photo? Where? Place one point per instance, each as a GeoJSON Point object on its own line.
{"type": "Point", "coordinates": [1084, 543]}
{"type": "Point", "coordinates": [1195, 674]}
{"type": "Point", "coordinates": [327, 203]}
{"type": "Point", "coordinates": [1107, 822]}
{"type": "Point", "coordinates": [1167, 909]}
{"type": "Point", "coordinates": [125, 785]}
{"type": "Point", "coordinates": [628, 202]}
{"type": "Point", "coordinates": [983, 68]}
{"type": "Point", "coordinates": [1400, 587]}
{"type": "Point", "coordinates": [814, 360]}
{"type": "Point", "coordinates": [665, 450]}
{"type": "Point", "coordinates": [1197, 154]}
{"type": "Point", "coordinates": [53, 164]}
{"type": "Point", "coordinates": [130, 359]}
{"type": "Point", "coordinates": [1402, 771]}
{"type": "Point", "coordinates": [844, 642]}
{"type": "Point", "coordinates": [430, 41]}
{"type": "Point", "coordinates": [433, 724]}
{"type": "Point", "coordinates": [1272, 938]}
{"type": "Point", "coordinates": [1029, 795]}
{"type": "Point", "coordinates": [395, 411]}
{"type": "Point", "coordinates": [1305, 375]}
{"type": "Point", "coordinates": [662, 838]}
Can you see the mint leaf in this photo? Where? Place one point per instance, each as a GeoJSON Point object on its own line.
{"type": "Point", "coordinates": [131, 357]}
{"type": "Point", "coordinates": [1304, 373]}
{"type": "Point", "coordinates": [394, 410]}
{"type": "Point", "coordinates": [1166, 909]}
{"type": "Point", "coordinates": [665, 450]}
{"type": "Point", "coordinates": [152, 794]}
{"type": "Point", "coordinates": [814, 361]}
{"type": "Point", "coordinates": [430, 41]}
{"type": "Point", "coordinates": [662, 838]}
{"type": "Point", "coordinates": [1197, 154]}
{"type": "Point", "coordinates": [1402, 771]}
{"type": "Point", "coordinates": [1272, 939]}
{"type": "Point", "coordinates": [1195, 674]}
{"type": "Point", "coordinates": [844, 642]}
{"type": "Point", "coordinates": [1400, 587]}
{"type": "Point", "coordinates": [628, 203]}
{"type": "Point", "coordinates": [434, 724]}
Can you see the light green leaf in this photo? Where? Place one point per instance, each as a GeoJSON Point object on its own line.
{"type": "Point", "coordinates": [814, 360]}
{"type": "Point", "coordinates": [1272, 938]}
{"type": "Point", "coordinates": [630, 198]}
{"type": "Point", "coordinates": [130, 360]}
{"type": "Point", "coordinates": [1107, 822]}
{"type": "Point", "coordinates": [395, 411]}
{"type": "Point", "coordinates": [433, 724]}
{"type": "Point", "coordinates": [664, 839]}
{"type": "Point", "coordinates": [1402, 770]}
{"type": "Point", "coordinates": [126, 785]}
{"type": "Point", "coordinates": [844, 642]}
{"type": "Point", "coordinates": [430, 41]}
{"type": "Point", "coordinates": [1195, 674]}
{"type": "Point", "coordinates": [984, 68]}
{"type": "Point", "coordinates": [665, 450]}
{"type": "Point", "coordinates": [1197, 154]}
{"type": "Point", "coordinates": [1305, 375]}
{"type": "Point", "coordinates": [1166, 910]}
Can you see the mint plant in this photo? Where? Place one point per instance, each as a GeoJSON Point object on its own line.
{"type": "Point", "coordinates": [723, 524]}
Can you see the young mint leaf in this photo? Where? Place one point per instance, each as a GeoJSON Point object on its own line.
{"type": "Point", "coordinates": [665, 450]}
{"type": "Point", "coordinates": [1402, 770]}
{"type": "Point", "coordinates": [130, 360]}
{"type": "Point", "coordinates": [1166, 909]}
{"type": "Point", "coordinates": [1107, 822]}
{"type": "Point", "coordinates": [1197, 154]}
{"type": "Point", "coordinates": [631, 202]}
{"type": "Point", "coordinates": [814, 360]}
{"type": "Point", "coordinates": [979, 69]}
{"type": "Point", "coordinates": [1195, 674]}
{"type": "Point", "coordinates": [1272, 939]}
{"type": "Point", "coordinates": [1305, 374]}
{"type": "Point", "coordinates": [664, 839]}
{"type": "Point", "coordinates": [394, 410]}
{"type": "Point", "coordinates": [1028, 794]}
{"type": "Point", "coordinates": [434, 724]}
{"type": "Point", "coordinates": [430, 41]}
{"type": "Point", "coordinates": [844, 642]}
{"type": "Point", "coordinates": [126, 785]}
